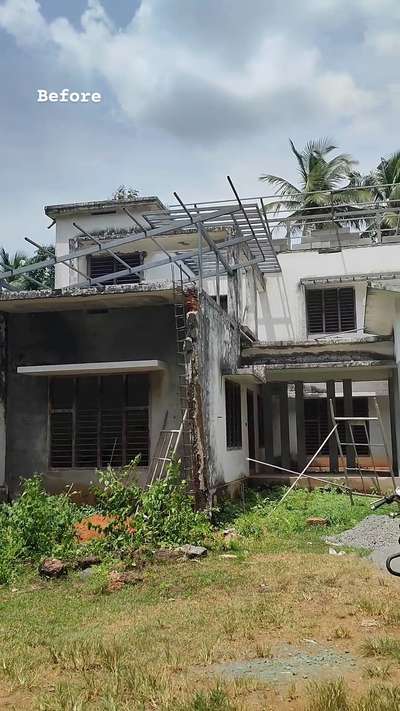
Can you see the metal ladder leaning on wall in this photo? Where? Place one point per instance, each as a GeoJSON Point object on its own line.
{"type": "Point", "coordinates": [350, 423]}
{"type": "Point", "coordinates": [180, 313]}
{"type": "Point", "coordinates": [176, 441]}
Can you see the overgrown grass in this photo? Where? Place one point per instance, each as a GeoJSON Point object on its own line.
{"type": "Point", "coordinates": [382, 647]}
{"type": "Point", "coordinates": [66, 647]}
{"type": "Point", "coordinates": [335, 696]}
{"type": "Point", "coordinates": [262, 511]}
{"type": "Point", "coordinates": [151, 646]}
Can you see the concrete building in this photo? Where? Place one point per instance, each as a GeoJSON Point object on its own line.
{"type": "Point", "coordinates": [93, 372]}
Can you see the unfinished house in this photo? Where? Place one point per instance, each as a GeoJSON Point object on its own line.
{"type": "Point", "coordinates": [137, 350]}
{"type": "Point", "coordinates": [221, 332]}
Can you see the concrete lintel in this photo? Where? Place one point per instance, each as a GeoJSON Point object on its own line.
{"type": "Point", "coordinates": [107, 368]}
{"type": "Point", "coordinates": [253, 374]}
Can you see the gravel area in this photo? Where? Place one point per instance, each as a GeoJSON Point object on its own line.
{"type": "Point", "coordinates": [372, 533]}
{"type": "Point", "coordinates": [288, 664]}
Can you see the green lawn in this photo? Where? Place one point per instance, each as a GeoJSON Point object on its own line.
{"type": "Point", "coordinates": [65, 645]}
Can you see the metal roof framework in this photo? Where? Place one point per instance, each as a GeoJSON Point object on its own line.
{"type": "Point", "coordinates": [244, 222]}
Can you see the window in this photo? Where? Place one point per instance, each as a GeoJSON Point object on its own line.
{"type": "Point", "coordinates": [101, 265]}
{"type": "Point", "coordinates": [96, 421]}
{"type": "Point", "coordinates": [223, 301]}
{"type": "Point", "coordinates": [316, 423]}
{"type": "Point", "coordinates": [330, 310]}
{"type": "Point", "coordinates": [233, 413]}
{"type": "Point", "coordinates": [260, 408]}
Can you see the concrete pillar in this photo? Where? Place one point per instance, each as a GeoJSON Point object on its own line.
{"type": "Point", "coordinates": [284, 424]}
{"type": "Point", "coordinates": [268, 423]}
{"type": "Point", "coordinates": [300, 425]}
{"type": "Point", "coordinates": [333, 449]}
{"type": "Point", "coordinates": [395, 405]}
{"type": "Point", "coordinates": [3, 390]}
{"type": "Point", "coordinates": [348, 412]}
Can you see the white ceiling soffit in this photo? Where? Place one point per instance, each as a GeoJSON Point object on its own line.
{"type": "Point", "coordinates": [108, 368]}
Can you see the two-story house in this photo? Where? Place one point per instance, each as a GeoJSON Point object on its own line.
{"type": "Point", "coordinates": [195, 322]}
{"type": "Point", "coordinates": [139, 341]}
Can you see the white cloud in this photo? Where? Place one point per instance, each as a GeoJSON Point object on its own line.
{"type": "Point", "coordinates": [385, 43]}
{"type": "Point", "coordinates": [23, 19]}
{"type": "Point", "coordinates": [161, 74]}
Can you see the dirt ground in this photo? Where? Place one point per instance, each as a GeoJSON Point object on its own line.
{"type": "Point", "coordinates": [160, 644]}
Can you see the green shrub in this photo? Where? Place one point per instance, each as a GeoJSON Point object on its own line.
{"type": "Point", "coordinates": [161, 514]}
{"type": "Point", "coordinates": [33, 526]}
{"type": "Point", "coordinates": [118, 493]}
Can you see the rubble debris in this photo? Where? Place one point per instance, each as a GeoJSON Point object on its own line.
{"type": "Point", "coordinates": [117, 580]}
{"type": "Point", "coordinates": [52, 568]}
{"type": "Point", "coordinates": [317, 521]}
{"type": "Point", "coordinates": [94, 527]}
{"type": "Point", "coordinates": [193, 552]}
{"type": "Point", "coordinates": [87, 562]}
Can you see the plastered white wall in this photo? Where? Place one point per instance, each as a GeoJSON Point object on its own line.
{"type": "Point", "coordinates": [232, 464]}
{"type": "Point", "coordinates": [281, 307]}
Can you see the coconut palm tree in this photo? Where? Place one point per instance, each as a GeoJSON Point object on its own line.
{"type": "Point", "coordinates": [325, 181]}
{"type": "Point", "coordinates": [8, 261]}
{"type": "Point", "coordinates": [42, 278]}
{"type": "Point", "coordinates": [385, 183]}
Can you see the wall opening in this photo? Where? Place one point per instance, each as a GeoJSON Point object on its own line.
{"type": "Point", "coordinates": [97, 421]}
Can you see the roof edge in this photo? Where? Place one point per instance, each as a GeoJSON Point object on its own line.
{"type": "Point", "coordinates": [53, 211]}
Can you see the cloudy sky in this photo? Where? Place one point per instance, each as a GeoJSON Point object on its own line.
{"type": "Point", "coordinates": [192, 90]}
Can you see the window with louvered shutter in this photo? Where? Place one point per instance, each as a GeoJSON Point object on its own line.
{"type": "Point", "coordinates": [106, 264]}
{"type": "Point", "coordinates": [233, 413]}
{"type": "Point", "coordinates": [96, 421]}
{"type": "Point", "coordinates": [316, 424]}
{"type": "Point", "coordinates": [330, 310]}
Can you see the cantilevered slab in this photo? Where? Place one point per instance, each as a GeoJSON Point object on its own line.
{"type": "Point", "coordinates": [107, 368]}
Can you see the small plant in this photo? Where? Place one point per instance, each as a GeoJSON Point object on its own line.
{"type": "Point", "coordinates": [382, 647]}
{"type": "Point", "coordinates": [215, 700]}
{"type": "Point", "coordinates": [378, 671]}
{"type": "Point", "coordinates": [328, 696]}
{"type": "Point", "coordinates": [380, 698]}
{"type": "Point", "coordinates": [342, 633]}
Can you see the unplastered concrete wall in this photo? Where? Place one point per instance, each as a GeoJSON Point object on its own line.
{"type": "Point", "coordinates": [220, 350]}
{"type": "Point", "coordinates": [78, 337]}
{"type": "Point", "coordinates": [69, 237]}
{"type": "Point", "coordinates": [281, 308]}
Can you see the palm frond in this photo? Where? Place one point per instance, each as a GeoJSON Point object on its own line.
{"type": "Point", "coordinates": [300, 160]}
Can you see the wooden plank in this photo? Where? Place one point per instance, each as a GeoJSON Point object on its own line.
{"type": "Point", "coordinates": [333, 450]}
{"type": "Point", "coordinates": [348, 412]}
{"type": "Point", "coordinates": [284, 424]}
{"type": "Point", "coordinates": [300, 426]}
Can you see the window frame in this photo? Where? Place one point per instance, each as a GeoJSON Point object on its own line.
{"type": "Point", "coordinates": [117, 267]}
{"type": "Point", "coordinates": [73, 410]}
{"type": "Point", "coordinates": [340, 315]}
{"type": "Point", "coordinates": [233, 419]}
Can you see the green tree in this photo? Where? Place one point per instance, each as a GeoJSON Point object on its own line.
{"type": "Point", "coordinates": [385, 187]}
{"type": "Point", "coordinates": [324, 179]}
{"type": "Point", "coordinates": [15, 261]}
{"type": "Point", "coordinates": [125, 193]}
{"type": "Point", "coordinates": [44, 276]}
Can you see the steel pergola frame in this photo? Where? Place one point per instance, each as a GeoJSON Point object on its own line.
{"type": "Point", "coordinates": [244, 221]}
